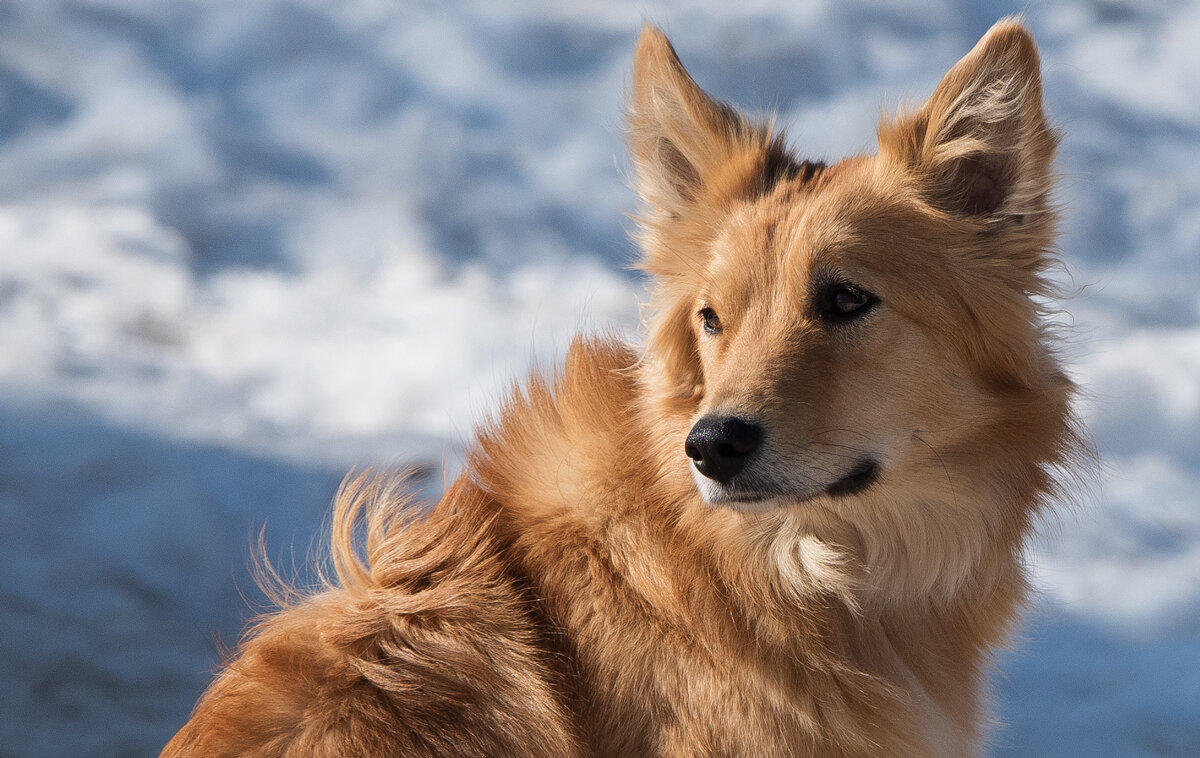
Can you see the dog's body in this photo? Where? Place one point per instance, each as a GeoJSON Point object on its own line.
{"type": "Point", "coordinates": [853, 358]}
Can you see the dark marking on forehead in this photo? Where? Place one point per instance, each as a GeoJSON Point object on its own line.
{"type": "Point", "coordinates": [779, 165]}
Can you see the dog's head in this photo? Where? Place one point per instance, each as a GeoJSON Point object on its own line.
{"type": "Point", "coordinates": [872, 326]}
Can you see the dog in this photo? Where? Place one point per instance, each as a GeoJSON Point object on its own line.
{"type": "Point", "coordinates": [790, 525]}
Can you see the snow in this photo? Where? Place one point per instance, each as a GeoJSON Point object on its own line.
{"type": "Point", "coordinates": [245, 246]}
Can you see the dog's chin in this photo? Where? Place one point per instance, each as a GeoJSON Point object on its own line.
{"type": "Point", "coordinates": [742, 498]}
{"type": "Point", "coordinates": [756, 499]}
{"type": "Point", "coordinates": [744, 502]}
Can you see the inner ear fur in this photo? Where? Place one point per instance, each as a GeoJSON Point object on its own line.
{"type": "Point", "coordinates": [685, 146]}
{"type": "Point", "coordinates": [980, 147]}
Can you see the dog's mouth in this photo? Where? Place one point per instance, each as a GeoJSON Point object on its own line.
{"type": "Point", "coordinates": [859, 480]}
{"type": "Point", "coordinates": [756, 496]}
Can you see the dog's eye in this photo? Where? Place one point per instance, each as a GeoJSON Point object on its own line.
{"type": "Point", "coordinates": [708, 317]}
{"type": "Point", "coordinates": [842, 301]}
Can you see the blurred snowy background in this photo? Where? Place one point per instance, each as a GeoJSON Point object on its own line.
{"type": "Point", "coordinates": [246, 245]}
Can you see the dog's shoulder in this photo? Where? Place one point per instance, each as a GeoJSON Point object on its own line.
{"type": "Point", "coordinates": [562, 443]}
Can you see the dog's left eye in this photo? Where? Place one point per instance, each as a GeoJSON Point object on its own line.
{"type": "Point", "coordinates": [708, 317]}
{"type": "Point", "coordinates": [843, 301]}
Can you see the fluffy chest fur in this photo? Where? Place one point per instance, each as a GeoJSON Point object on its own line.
{"type": "Point", "coordinates": [691, 630]}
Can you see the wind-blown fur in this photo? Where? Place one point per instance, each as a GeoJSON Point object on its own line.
{"type": "Point", "coordinates": [583, 589]}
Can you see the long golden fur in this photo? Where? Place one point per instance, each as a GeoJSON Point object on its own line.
{"type": "Point", "coordinates": [854, 358]}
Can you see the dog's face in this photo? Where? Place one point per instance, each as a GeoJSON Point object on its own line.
{"type": "Point", "coordinates": [829, 331]}
{"type": "Point", "coordinates": [820, 368]}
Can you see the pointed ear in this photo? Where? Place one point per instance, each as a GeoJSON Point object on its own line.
{"type": "Point", "coordinates": [688, 152]}
{"type": "Point", "coordinates": [684, 145]}
{"type": "Point", "coordinates": [980, 147]}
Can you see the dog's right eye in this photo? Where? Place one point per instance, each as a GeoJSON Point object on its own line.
{"type": "Point", "coordinates": [712, 324]}
{"type": "Point", "coordinates": [842, 302]}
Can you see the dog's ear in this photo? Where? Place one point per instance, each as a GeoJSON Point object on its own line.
{"type": "Point", "coordinates": [691, 157]}
{"type": "Point", "coordinates": [686, 147]}
{"type": "Point", "coordinates": [980, 147]}
{"type": "Point", "coordinates": [979, 152]}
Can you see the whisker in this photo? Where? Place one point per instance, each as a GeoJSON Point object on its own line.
{"type": "Point", "coordinates": [941, 462]}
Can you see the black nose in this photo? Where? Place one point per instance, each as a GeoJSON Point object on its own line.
{"type": "Point", "coordinates": [720, 445]}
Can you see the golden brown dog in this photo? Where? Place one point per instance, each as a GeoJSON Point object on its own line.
{"type": "Point", "coordinates": [791, 525]}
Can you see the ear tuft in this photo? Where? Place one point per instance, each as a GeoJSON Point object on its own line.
{"type": "Point", "coordinates": [981, 147]}
{"type": "Point", "coordinates": [683, 143]}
